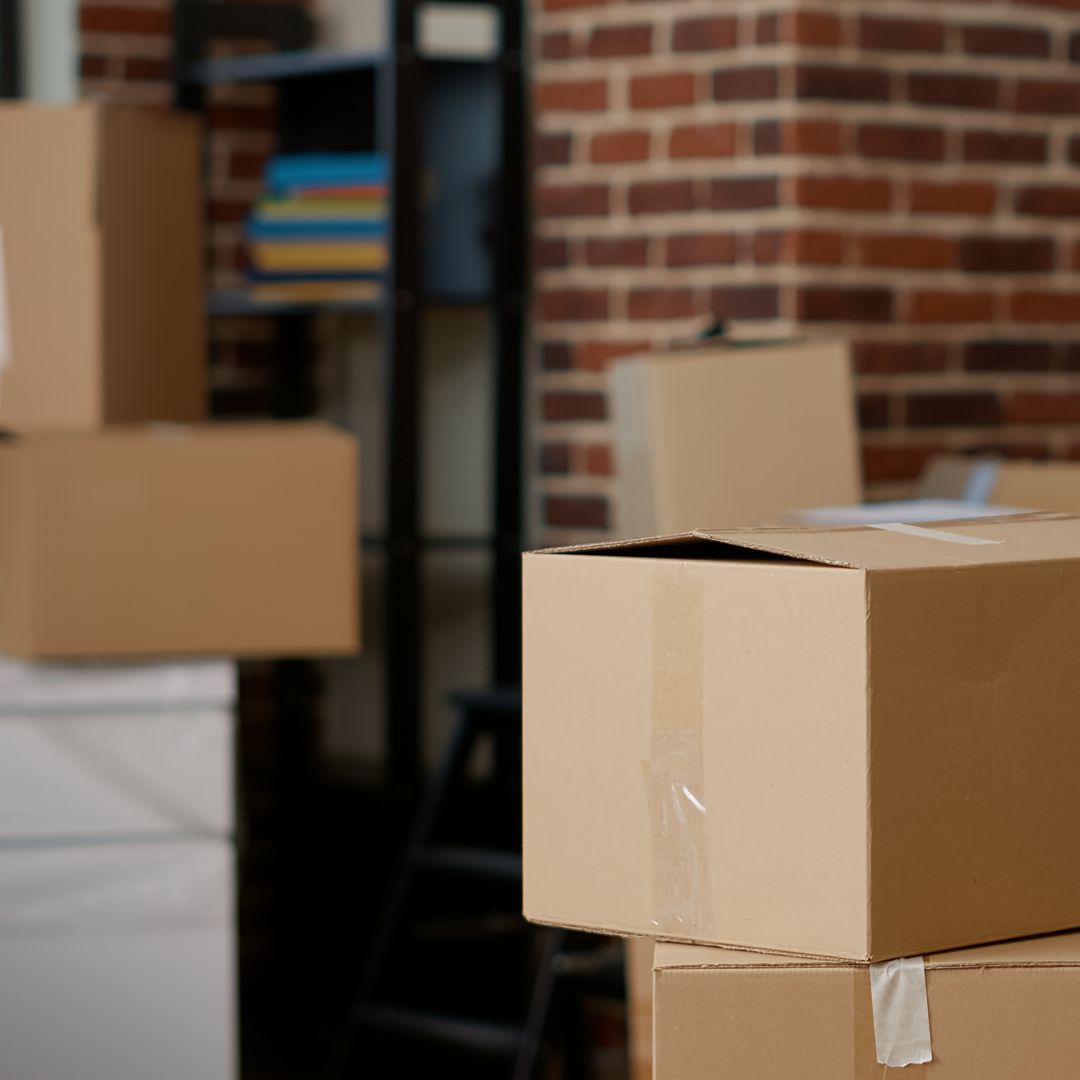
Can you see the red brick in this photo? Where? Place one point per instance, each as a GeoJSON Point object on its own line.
{"type": "Point", "coordinates": [901, 35]}
{"type": "Point", "coordinates": [550, 253]}
{"type": "Point", "coordinates": [953, 89]}
{"type": "Point", "coordinates": [744, 193]}
{"type": "Point", "coordinates": [873, 411]}
{"type": "Point", "coordinates": [614, 41]}
{"type": "Point", "coordinates": [1006, 254]}
{"type": "Point", "coordinates": [1049, 200]}
{"type": "Point", "coordinates": [959, 197]}
{"type": "Point", "coordinates": [555, 356]}
{"type": "Point", "coordinates": [228, 211]}
{"type": "Point", "coordinates": [817, 29]}
{"type": "Point", "coordinates": [882, 464]}
{"type": "Point", "coordinates": [576, 511]}
{"type": "Point", "coordinates": [571, 95]}
{"type": "Point", "coordinates": [951, 306]}
{"type": "Point", "coordinates": [746, 302]}
{"type": "Point", "coordinates": [809, 138]}
{"type": "Point", "coordinates": [597, 355]}
{"type": "Point", "coordinates": [767, 28]}
{"type": "Point", "coordinates": [554, 148]}
{"type": "Point", "coordinates": [825, 82]}
{"type": "Point", "coordinates": [1052, 97]}
{"type": "Point", "coordinates": [1074, 150]}
{"type": "Point", "coordinates": [1003, 40]}
{"type": "Point", "coordinates": [704, 34]}
{"type": "Point", "coordinates": [618, 146]}
{"type": "Point", "coordinates": [843, 192]}
{"type": "Point", "coordinates": [907, 251]}
{"type": "Point", "coordinates": [1005, 146]}
{"type": "Point", "coordinates": [119, 19]}
{"type": "Point", "coordinates": [573, 305]}
{"type": "Point", "coordinates": [895, 358]}
{"type": "Point", "coordinates": [247, 166]}
{"type": "Point", "coordinates": [1067, 5]}
{"type": "Point", "coordinates": [556, 46]}
{"type": "Point", "coordinates": [597, 460]}
{"type": "Point", "coordinates": [93, 67]}
{"type": "Point", "coordinates": [767, 248]}
{"type": "Point", "coordinates": [967, 409]}
{"type": "Point", "coordinates": [700, 249]}
{"type": "Point", "coordinates": [554, 458]}
{"type": "Point", "coordinates": [571, 200]}
{"type": "Point", "coordinates": [561, 5]}
{"type": "Point", "coordinates": [562, 405]}
{"type": "Point", "coordinates": [1043, 408]}
{"type": "Point", "coordinates": [843, 303]}
{"type": "Point", "coordinates": [617, 251]}
{"type": "Point", "coordinates": [147, 69]}
{"type": "Point", "coordinates": [1074, 47]}
{"type": "Point", "coordinates": [661, 196]}
{"type": "Point", "coordinates": [1074, 256]}
{"type": "Point", "coordinates": [703, 140]}
{"type": "Point", "coordinates": [998, 355]}
{"type": "Point", "coordinates": [745, 83]}
{"type": "Point", "coordinates": [903, 142]}
{"type": "Point", "coordinates": [240, 117]}
{"type": "Point", "coordinates": [815, 247]}
{"type": "Point", "coordinates": [661, 303]}
{"type": "Point", "coordinates": [663, 91]}
{"type": "Point", "coordinates": [1045, 306]}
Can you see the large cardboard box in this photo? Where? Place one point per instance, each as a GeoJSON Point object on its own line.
{"type": "Point", "coordinates": [1040, 485]}
{"type": "Point", "coordinates": [101, 222]}
{"type": "Point", "coordinates": [910, 511]}
{"type": "Point", "coordinates": [854, 742]}
{"type": "Point", "coordinates": [117, 961]}
{"type": "Point", "coordinates": [1001, 1012]}
{"type": "Point", "coordinates": [237, 540]}
{"type": "Point", "coordinates": [726, 435]}
{"type": "Point", "coordinates": [638, 957]}
{"type": "Point", "coordinates": [106, 751]}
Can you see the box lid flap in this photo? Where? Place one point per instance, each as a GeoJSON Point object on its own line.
{"type": "Point", "coordinates": [884, 546]}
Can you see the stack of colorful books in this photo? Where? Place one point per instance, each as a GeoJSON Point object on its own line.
{"type": "Point", "coordinates": [319, 235]}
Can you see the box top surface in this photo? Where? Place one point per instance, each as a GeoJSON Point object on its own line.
{"type": "Point", "coordinates": [1054, 950]}
{"type": "Point", "coordinates": [1039, 537]}
{"type": "Point", "coordinates": [712, 351]}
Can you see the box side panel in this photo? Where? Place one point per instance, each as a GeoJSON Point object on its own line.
{"type": "Point", "coordinates": [1039, 485]}
{"type": "Point", "coordinates": [17, 565]}
{"type": "Point", "coordinates": [976, 808]}
{"type": "Point", "coordinates": [719, 414]}
{"type": "Point", "coordinates": [695, 750]}
{"type": "Point", "coordinates": [160, 542]}
{"type": "Point", "coordinates": [154, 308]}
{"type": "Point", "coordinates": [766, 1024]}
{"type": "Point", "coordinates": [635, 511]}
{"type": "Point", "coordinates": [51, 250]}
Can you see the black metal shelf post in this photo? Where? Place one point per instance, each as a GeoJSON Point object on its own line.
{"type": "Point", "coordinates": [10, 49]}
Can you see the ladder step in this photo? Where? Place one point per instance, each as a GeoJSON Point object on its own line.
{"type": "Point", "coordinates": [479, 1036]}
{"type": "Point", "coordinates": [482, 862]}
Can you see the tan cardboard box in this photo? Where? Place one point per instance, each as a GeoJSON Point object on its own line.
{"type": "Point", "coordinates": [732, 435]}
{"type": "Point", "coordinates": [101, 226]}
{"type": "Point", "coordinates": [229, 539]}
{"type": "Point", "coordinates": [1039, 485]}
{"type": "Point", "coordinates": [854, 742]}
{"type": "Point", "coordinates": [639, 1005]}
{"type": "Point", "coordinates": [1001, 1012]}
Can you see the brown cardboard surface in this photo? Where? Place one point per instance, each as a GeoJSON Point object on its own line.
{"type": "Point", "coordinates": [169, 540]}
{"type": "Point", "coordinates": [880, 726]}
{"type": "Point", "coordinates": [994, 1015]}
{"type": "Point", "coordinates": [100, 210]}
{"type": "Point", "coordinates": [639, 999]}
{"type": "Point", "coordinates": [688, 421]}
{"type": "Point", "coordinates": [1038, 485]}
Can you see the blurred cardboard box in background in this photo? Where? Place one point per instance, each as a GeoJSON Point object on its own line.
{"type": "Point", "coordinates": [1040, 485]}
{"type": "Point", "coordinates": [101, 213]}
{"type": "Point", "coordinates": [229, 539]}
{"type": "Point", "coordinates": [721, 435]}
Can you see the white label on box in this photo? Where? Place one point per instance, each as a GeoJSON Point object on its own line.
{"type": "Point", "coordinates": [5, 322]}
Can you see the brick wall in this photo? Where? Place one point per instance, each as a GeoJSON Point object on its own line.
{"type": "Point", "coordinates": [906, 174]}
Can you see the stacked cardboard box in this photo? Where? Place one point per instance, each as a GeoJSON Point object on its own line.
{"type": "Point", "coordinates": [854, 744]}
{"type": "Point", "coordinates": [130, 529]}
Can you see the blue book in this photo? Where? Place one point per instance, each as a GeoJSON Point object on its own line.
{"type": "Point", "coordinates": [313, 170]}
{"type": "Point", "coordinates": [322, 229]}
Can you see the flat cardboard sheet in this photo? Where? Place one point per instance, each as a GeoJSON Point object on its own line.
{"type": "Point", "coordinates": [849, 742]}
{"type": "Point", "coordinates": [996, 1013]}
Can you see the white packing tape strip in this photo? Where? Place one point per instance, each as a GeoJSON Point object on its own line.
{"type": "Point", "coordinates": [932, 534]}
{"type": "Point", "coordinates": [901, 1014]}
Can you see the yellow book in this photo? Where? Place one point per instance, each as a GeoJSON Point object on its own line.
{"type": "Point", "coordinates": [313, 258]}
{"type": "Point", "coordinates": [372, 209]}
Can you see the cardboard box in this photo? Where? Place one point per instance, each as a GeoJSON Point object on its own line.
{"type": "Point", "coordinates": [911, 511]}
{"type": "Point", "coordinates": [117, 961]}
{"type": "Point", "coordinates": [236, 540]}
{"type": "Point", "coordinates": [95, 751]}
{"type": "Point", "coordinates": [724, 435]}
{"type": "Point", "coordinates": [101, 214]}
{"type": "Point", "coordinates": [1000, 1012]}
{"type": "Point", "coordinates": [853, 742]}
{"type": "Point", "coordinates": [639, 1005]}
{"type": "Point", "coordinates": [1040, 485]}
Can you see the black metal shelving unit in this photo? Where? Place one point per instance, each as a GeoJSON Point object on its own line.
{"type": "Point", "coordinates": [464, 119]}
{"type": "Point", "coordinates": [10, 60]}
